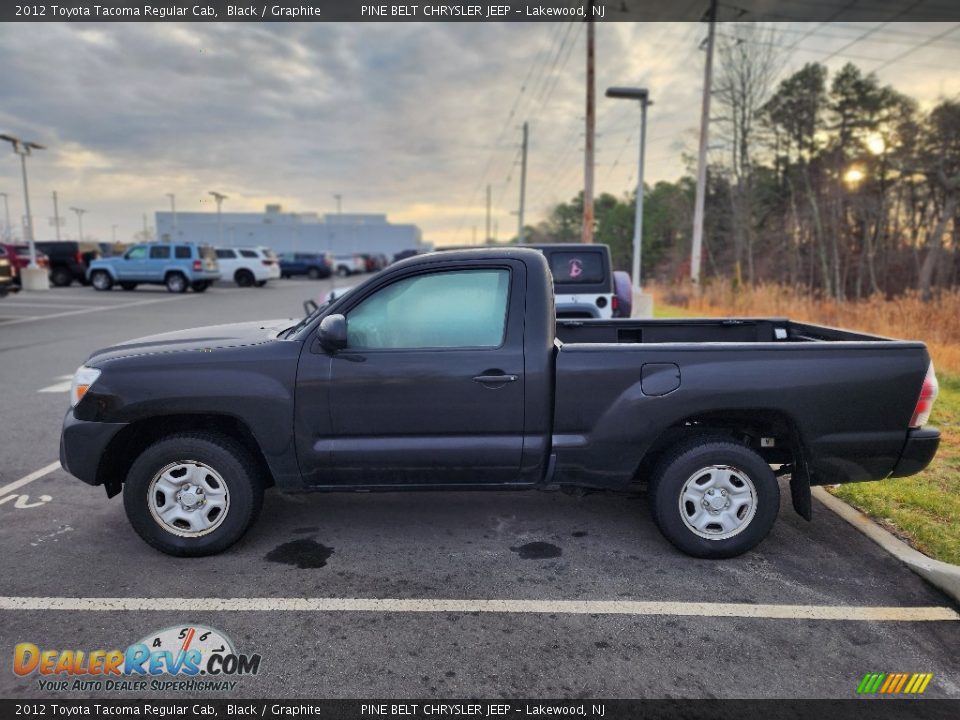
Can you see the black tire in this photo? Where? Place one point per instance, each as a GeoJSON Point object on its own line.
{"type": "Point", "coordinates": [200, 285]}
{"type": "Point", "coordinates": [243, 278]}
{"type": "Point", "coordinates": [313, 273]}
{"type": "Point", "coordinates": [176, 282]}
{"type": "Point", "coordinates": [221, 453]}
{"type": "Point", "coordinates": [261, 283]}
{"type": "Point", "coordinates": [128, 285]}
{"type": "Point", "coordinates": [681, 465]}
{"type": "Point", "coordinates": [101, 280]}
{"type": "Point", "coordinates": [343, 271]}
{"type": "Point", "coordinates": [61, 277]}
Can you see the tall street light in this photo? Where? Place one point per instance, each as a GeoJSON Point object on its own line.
{"type": "Point", "coordinates": [219, 197]}
{"type": "Point", "coordinates": [173, 210]}
{"type": "Point", "coordinates": [23, 148]}
{"type": "Point", "coordinates": [643, 95]}
{"type": "Point", "coordinates": [6, 216]}
{"type": "Point", "coordinates": [79, 212]}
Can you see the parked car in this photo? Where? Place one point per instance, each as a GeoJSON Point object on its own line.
{"type": "Point", "coordinates": [349, 265]}
{"type": "Point", "coordinates": [69, 260]}
{"type": "Point", "coordinates": [450, 371]}
{"type": "Point", "coordinates": [404, 254]}
{"type": "Point", "coordinates": [374, 262]}
{"type": "Point", "coordinates": [314, 265]}
{"type": "Point", "coordinates": [248, 266]}
{"type": "Point", "coordinates": [312, 305]}
{"type": "Point", "coordinates": [179, 266]}
{"type": "Point", "coordinates": [582, 279]}
{"type": "Point", "coordinates": [622, 303]}
{"type": "Point", "coordinates": [8, 274]}
{"type": "Point", "coordinates": [19, 256]}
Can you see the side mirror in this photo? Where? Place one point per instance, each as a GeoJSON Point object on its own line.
{"type": "Point", "coordinates": [333, 332]}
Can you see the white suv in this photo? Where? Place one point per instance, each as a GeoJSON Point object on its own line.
{"type": "Point", "coordinates": [248, 266]}
{"type": "Point", "coordinates": [349, 265]}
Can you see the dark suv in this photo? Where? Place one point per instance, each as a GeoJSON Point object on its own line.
{"type": "Point", "coordinates": [69, 260]}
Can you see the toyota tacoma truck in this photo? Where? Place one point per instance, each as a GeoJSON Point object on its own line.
{"type": "Point", "coordinates": [449, 371]}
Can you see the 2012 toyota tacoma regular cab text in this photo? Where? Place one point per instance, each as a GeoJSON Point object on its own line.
{"type": "Point", "coordinates": [449, 371]}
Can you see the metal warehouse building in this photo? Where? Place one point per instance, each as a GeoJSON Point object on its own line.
{"type": "Point", "coordinates": [292, 232]}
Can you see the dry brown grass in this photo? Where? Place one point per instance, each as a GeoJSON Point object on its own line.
{"type": "Point", "coordinates": [936, 323]}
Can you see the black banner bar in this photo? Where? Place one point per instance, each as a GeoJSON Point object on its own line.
{"type": "Point", "coordinates": [378, 709]}
{"type": "Point", "coordinates": [476, 11]}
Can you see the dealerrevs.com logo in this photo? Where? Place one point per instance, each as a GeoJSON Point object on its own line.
{"type": "Point", "coordinates": [189, 658]}
{"type": "Point", "coordinates": [894, 683]}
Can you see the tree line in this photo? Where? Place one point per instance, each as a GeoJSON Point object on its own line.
{"type": "Point", "coordinates": [837, 184]}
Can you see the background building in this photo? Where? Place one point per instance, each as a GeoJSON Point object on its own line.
{"type": "Point", "coordinates": [292, 232]}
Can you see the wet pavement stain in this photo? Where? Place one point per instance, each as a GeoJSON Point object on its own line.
{"type": "Point", "coordinates": [537, 551]}
{"type": "Point", "coordinates": [306, 530]}
{"type": "Point", "coordinates": [305, 554]}
{"type": "Point", "coordinates": [579, 533]}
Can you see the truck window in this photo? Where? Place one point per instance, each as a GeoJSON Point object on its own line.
{"type": "Point", "coordinates": [137, 253]}
{"type": "Point", "coordinates": [225, 254]}
{"type": "Point", "coordinates": [576, 267]}
{"type": "Point", "coordinates": [459, 308]}
{"type": "Point", "coordinates": [161, 252]}
{"type": "Point", "coordinates": [183, 252]}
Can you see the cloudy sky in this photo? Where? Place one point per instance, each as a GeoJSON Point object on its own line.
{"type": "Point", "coordinates": [409, 120]}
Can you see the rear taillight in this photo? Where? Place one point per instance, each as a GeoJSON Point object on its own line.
{"type": "Point", "coordinates": [78, 257]}
{"type": "Point", "coordinates": [928, 393]}
{"type": "Point", "coordinates": [615, 303]}
{"type": "Point", "coordinates": [197, 266]}
{"type": "Point", "coordinates": [267, 262]}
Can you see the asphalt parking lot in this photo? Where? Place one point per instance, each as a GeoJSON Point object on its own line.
{"type": "Point", "coordinates": [605, 606]}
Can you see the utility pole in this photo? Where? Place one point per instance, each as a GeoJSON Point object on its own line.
{"type": "Point", "coordinates": [339, 199]}
{"type": "Point", "coordinates": [588, 146]}
{"type": "Point", "coordinates": [523, 187]}
{"type": "Point", "coordinates": [173, 210]}
{"type": "Point", "coordinates": [6, 214]}
{"type": "Point", "coordinates": [488, 236]}
{"type": "Point", "coordinates": [79, 212]}
{"type": "Point", "coordinates": [56, 215]}
{"type": "Point", "coordinates": [697, 248]}
{"type": "Point", "coordinates": [113, 233]}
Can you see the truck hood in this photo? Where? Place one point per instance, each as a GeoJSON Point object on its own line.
{"type": "Point", "coordinates": [195, 339]}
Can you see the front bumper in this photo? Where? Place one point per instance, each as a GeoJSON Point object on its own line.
{"type": "Point", "coordinates": [82, 446]}
{"type": "Point", "coordinates": [918, 451]}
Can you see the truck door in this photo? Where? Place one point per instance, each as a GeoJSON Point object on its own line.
{"type": "Point", "coordinates": [430, 388]}
{"type": "Point", "coordinates": [134, 264]}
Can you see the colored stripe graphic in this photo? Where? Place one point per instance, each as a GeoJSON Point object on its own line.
{"type": "Point", "coordinates": [894, 683]}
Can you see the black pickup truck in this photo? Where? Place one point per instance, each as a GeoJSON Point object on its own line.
{"type": "Point", "coordinates": [449, 371]}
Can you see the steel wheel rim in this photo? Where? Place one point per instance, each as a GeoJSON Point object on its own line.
{"type": "Point", "coordinates": [176, 282]}
{"type": "Point", "coordinates": [100, 281]}
{"type": "Point", "coordinates": [718, 502]}
{"type": "Point", "coordinates": [188, 498]}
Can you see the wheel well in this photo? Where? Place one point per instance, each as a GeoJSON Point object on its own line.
{"type": "Point", "coordinates": [241, 271]}
{"type": "Point", "coordinates": [744, 426]}
{"type": "Point", "coordinates": [168, 273]}
{"type": "Point", "coordinates": [124, 449]}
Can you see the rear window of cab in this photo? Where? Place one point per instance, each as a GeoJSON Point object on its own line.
{"type": "Point", "coordinates": [580, 267]}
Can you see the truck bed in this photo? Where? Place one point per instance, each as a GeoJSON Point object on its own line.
{"type": "Point", "coordinates": [703, 330]}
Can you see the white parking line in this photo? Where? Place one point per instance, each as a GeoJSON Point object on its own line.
{"type": "Point", "coordinates": [565, 607]}
{"type": "Point", "coordinates": [35, 475]}
{"type": "Point", "coordinates": [98, 308]}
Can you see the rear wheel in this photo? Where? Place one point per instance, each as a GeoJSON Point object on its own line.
{"type": "Point", "coordinates": [61, 277]}
{"type": "Point", "coordinates": [101, 280]}
{"type": "Point", "coordinates": [714, 498]}
{"type": "Point", "coordinates": [313, 273]}
{"type": "Point", "coordinates": [343, 271]}
{"type": "Point", "coordinates": [243, 278]}
{"type": "Point", "coordinates": [128, 285]}
{"type": "Point", "coordinates": [193, 494]}
{"type": "Point", "coordinates": [176, 282]}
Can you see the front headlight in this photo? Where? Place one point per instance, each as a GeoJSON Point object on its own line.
{"type": "Point", "coordinates": [82, 380]}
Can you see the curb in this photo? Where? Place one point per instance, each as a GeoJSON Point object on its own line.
{"type": "Point", "coordinates": [942, 575]}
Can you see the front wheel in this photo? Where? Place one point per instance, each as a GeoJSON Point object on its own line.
{"type": "Point", "coordinates": [101, 280]}
{"type": "Point", "coordinates": [176, 283]}
{"type": "Point", "coordinates": [192, 494]}
{"type": "Point", "coordinates": [714, 498]}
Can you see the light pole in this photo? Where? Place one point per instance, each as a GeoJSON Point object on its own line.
{"type": "Point", "coordinates": [23, 148]}
{"type": "Point", "coordinates": [6, 216]}
{"type": "Point", "coordinates": [113, 233]}
{"type": "Point", "coordinates": [642, 95]}
{"type": "Point", "coordinates": [173, 210]}
{"type": "Point", "coordinates": [219, 197]}
{"type": "Point", "coordinates": [79, 212]}
{"type": "Point", "coordinates": [339, 199]}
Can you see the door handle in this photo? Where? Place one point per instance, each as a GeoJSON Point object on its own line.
{"type": "Point", "coordinates": [495, 379]}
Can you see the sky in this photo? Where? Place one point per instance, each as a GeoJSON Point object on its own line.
{"type": "Point", "coordinates": [411, 120]}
